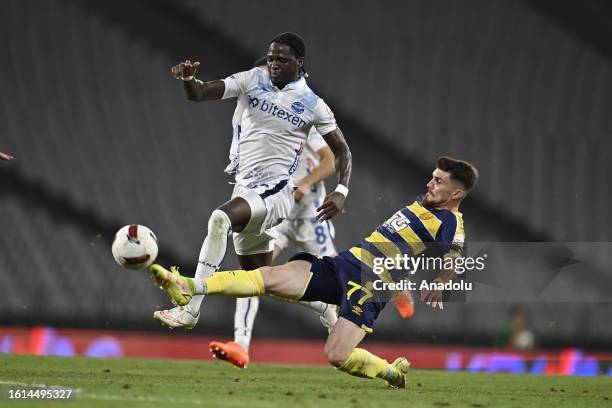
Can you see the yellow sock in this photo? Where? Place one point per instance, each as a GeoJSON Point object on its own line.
{"type": "Point", "coordinates": [237, 283]}
{"type": "Point", "coordinates": [362, 363]}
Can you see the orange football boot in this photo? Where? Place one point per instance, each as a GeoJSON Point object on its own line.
{"type": "Point", "coordinates": [231, 352]}
{"type": "Point", "coordinates": [404, 303]}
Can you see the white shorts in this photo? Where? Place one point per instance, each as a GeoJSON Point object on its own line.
{"type": "Point", "coordinates": [308, 235]}
{"type": "Point", "coordinates": [270, 205]}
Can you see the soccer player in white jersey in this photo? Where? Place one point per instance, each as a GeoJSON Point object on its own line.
{"type": "Point", "coordinates": [302, 230]}
{"type": "Point", "coordinates": [280, 111]}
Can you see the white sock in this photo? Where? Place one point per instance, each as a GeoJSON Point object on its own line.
{"type": "Point", "coordinates": [391, 373]}
{"type": "Point", "coordinates": [199, 285]}
{"type": "Point", "coordinates": [318, 307]}
{"type": "Point", "coordinates": [212, 252]}
{"type": "Point", "coordinates": [244, 318]}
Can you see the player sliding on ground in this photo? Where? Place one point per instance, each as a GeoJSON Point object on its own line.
{"type": "Point", "coordinates": [432, 223]}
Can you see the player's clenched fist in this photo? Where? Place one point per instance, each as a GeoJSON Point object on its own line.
{"type": "Point", "coordinates": [184, 69]}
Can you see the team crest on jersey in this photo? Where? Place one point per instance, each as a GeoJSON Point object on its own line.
{"type": "Point", "coordinates": [297, 107]}
{"type": "Point", "coordinates": [357, 310]}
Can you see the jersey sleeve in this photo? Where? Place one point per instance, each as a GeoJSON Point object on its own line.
{"type": "Point", "coordinates": [451, 237]}
{"type": "Point", "coordinates": [238, 84]}
{"type": "Point", "coordinates": [324, 120]}
{"type": "Point", "coordinates": [315, 141]}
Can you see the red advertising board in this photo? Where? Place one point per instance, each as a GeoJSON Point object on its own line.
{"type": "Point", "coordinates": [102, 343]}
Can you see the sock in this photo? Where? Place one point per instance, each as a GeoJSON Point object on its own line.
{"type": "Point", "coordinates": [237, 283]}
{"type": "Point", "coordinates": [362, 363]}
{"type": "Point", "coordinates": [391, 373]}
{"type": "Point", "coordinates": [318, 307]}
{"type": "Point", "coordinates": [212, 252]}
{"type": "Point", "coordinates": [244, 318]}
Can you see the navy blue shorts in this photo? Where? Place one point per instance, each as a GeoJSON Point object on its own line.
{"type": "Point", "coordinates": [339, 282]}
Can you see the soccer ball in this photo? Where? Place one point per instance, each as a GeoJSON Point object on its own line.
{"type": "Point", "coordinates": [134, 247]}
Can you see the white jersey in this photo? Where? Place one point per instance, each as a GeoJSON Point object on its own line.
{"type": "Point", "coordinates": [241, 104]}
{"type": "Point", "coordinates": [274, 125]}
{"type": "Point", "coordinates": [307, 206]}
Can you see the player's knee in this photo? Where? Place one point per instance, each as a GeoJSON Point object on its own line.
{"type": "Point", "coordinates": [336, 357]}
{"type": "Point", "coordinates": [219, 223]}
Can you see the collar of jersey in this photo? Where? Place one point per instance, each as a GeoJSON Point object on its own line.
{"type": "Point", "coordinates": [298, 83]}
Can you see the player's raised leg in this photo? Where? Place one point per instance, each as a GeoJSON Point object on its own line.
{"type": "Point", "coordinates": [288, 281]}
{"type": "Point", "coordinates": [233, 215]}
{"type": "Point", "coordinates": [341, 351]}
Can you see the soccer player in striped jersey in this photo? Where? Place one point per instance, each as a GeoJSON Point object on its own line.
{"type": "Point", "coordinates": [279, 111]}
{"type": "Point", "coordinates": [431, 222]}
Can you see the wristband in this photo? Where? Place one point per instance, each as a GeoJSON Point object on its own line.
{"type": "Point", "coordinates": [187, 79]}
{"type": "Point", "coordinates": [342, 189]}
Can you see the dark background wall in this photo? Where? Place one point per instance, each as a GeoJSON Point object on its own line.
{"type": "Point", "coordinates": [103, 137]}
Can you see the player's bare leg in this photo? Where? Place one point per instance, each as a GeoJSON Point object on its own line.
{"type": "Point", "coordinates": [237, 352]}
{"type": "Point", "coordinates": [288, 281]}
{"type": "Point", "coordinates": [341, 351]}
{"type": "Point", "coordinates": [327, 313]}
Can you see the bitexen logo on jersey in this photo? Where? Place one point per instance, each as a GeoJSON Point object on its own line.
{"type": "Point", "coordinates": [272, 109]}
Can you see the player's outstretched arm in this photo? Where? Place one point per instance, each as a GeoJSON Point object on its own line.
{"type": "Point", "coordinates": [197, 90]}
{"type": "Point", "coordinates": [4, 156]}
{"type": "Point", "coordinates": [334, 202]}
{"type": "Point", "coordinates": [325, 169]}
{"type": "Point", "coordinates": [434, 297]}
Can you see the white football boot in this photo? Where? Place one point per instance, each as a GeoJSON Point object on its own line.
{"type": "Point", "coordinates": [179, 316]}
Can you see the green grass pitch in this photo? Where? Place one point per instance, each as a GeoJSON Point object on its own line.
{"type": "Point", "coordinates": [174, 383]}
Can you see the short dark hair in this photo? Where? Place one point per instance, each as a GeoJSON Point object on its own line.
{"type": "Point", "coordinates": [294, 41]}
{"type": "Point", "coordinates": [260, 61]}
{"type": "Point", "coordinates": [463, 172]}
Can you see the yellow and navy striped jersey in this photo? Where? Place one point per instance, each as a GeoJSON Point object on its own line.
{"type": "Point", "coordinates": [413, 230]}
